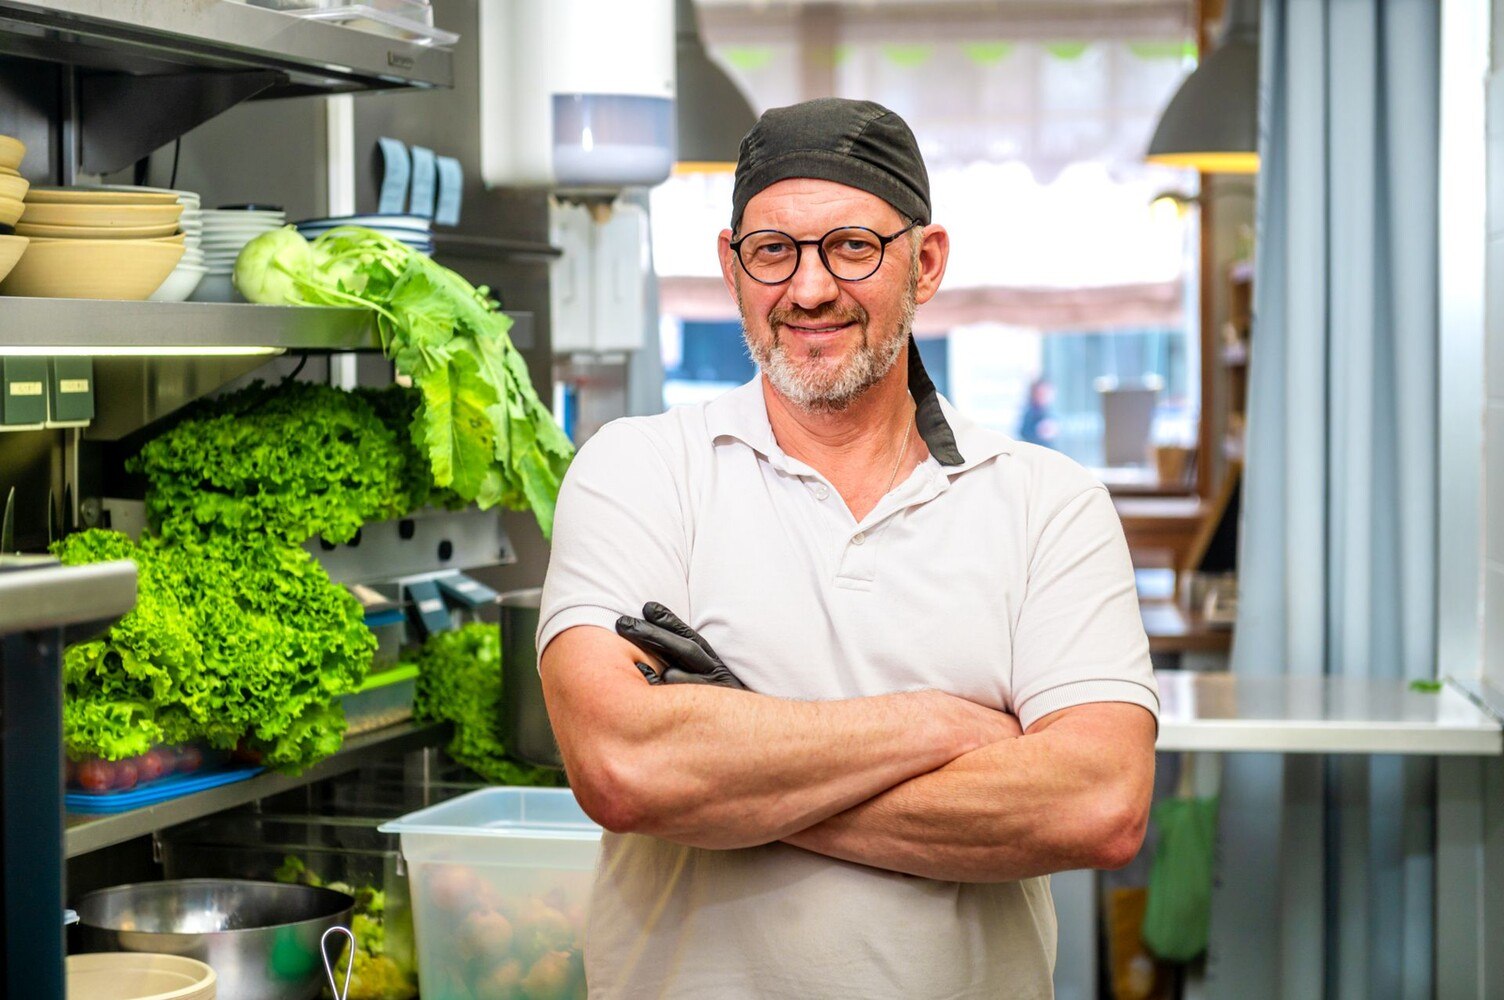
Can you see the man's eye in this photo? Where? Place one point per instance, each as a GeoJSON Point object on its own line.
{"type": "Point", "coordinates": [772, 249]}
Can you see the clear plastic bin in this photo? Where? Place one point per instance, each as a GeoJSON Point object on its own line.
{"type": "Point", "coordinates": [384, 699]}
{"type": "Point", "coordinates": [500, 882]}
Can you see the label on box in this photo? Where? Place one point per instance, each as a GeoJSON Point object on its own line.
{"type": "Point", "coordinates": [26, 388]}
{"type": "Point", "coordinates": [73, 385]}
{"type": "Point", "coordinates": [430, 606]}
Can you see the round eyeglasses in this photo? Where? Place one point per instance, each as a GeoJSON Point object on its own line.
{"type": "Point", "coordinates": [849, 253]}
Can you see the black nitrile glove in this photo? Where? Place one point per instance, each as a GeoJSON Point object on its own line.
{"type": "Point", "coordinates": [687, 658]}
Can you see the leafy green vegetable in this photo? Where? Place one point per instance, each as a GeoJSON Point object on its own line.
{"type": "Point", "coordinates": [484, 431]}
{"type": "Point", "coordinates": [459, 681]}
{"type": "Point", "coordinates": [378, 974]}
{"type": "Point", "coordinates": [235, 640]}
{"type": "Point", "coordinates": [293, 461]}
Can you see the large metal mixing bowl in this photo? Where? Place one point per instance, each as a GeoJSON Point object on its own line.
{"type": "Point", "coordinates": [260, 938]}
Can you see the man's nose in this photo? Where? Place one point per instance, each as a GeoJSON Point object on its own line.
{"type": "Point", "coordinates": [812, 286]}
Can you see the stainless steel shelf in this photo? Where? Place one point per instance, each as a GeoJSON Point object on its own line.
{"type": "Point", "coordinates": [106, 327]}
{"type": "Point", "coordinates": [90, 833]}
{"type": "Point", "coordinates": [102, 326]}
{"type": "Point", "coordinates": [153, 37]}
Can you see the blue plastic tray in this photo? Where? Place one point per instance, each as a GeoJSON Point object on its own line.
{"type": "Point", "coordinates": [161, 790]}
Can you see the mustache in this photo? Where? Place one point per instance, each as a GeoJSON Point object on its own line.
{"type": "Point", "coordinates": [820, 317]}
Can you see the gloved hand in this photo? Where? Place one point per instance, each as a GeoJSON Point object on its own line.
{"type": "Point", "coordinates": [687, 657]}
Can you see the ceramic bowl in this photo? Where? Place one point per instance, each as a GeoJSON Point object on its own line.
{"type": "Point", "coordinates": [10, 210]}
{"type": "Point", "coordinates": [139, 976]}
{"type": "Point", "coordinates": [99, 216]}
{"type": "Point", "coordinates": [11, 152]}
{"type": "Point", "coordinates": [179, 284]}
{"type": "Point", "coordinates": [97, 232]}
{"type": "Point", "coordinates": [13, 187]}
{"type": "Point", "coordinates": [93, 196]}
{"type": "Point", "coordinates": [92, 269]}
{"type": "Point", "coordinates": [11, 249]}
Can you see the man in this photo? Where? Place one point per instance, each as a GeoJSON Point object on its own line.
{"type": "Point", "coordinates": [947, 684]}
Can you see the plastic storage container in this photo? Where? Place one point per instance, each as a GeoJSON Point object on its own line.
{"type": "Point", "coordinates": [500, 882]}
{"type": "Point", "coordinates": [385, 698]}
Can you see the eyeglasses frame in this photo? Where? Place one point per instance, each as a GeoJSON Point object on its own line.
{"type": "Point", "coordinates": [819, 245]}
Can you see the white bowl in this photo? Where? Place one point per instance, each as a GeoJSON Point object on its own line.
{"type": "Point", "coordinates": [179, 284]}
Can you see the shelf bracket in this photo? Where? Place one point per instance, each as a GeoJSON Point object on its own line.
{"type": "Point", "coordinates": [122, 117]}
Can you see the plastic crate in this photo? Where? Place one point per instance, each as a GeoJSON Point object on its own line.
{"type": "Point", "coordinates": [500, 882]}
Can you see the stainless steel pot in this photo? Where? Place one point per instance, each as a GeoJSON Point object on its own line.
{"type": "Point", "coordinates": [524, 720]}
{"type": "Point", "coordinates": [260, 938]}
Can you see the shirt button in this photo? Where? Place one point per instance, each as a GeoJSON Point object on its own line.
{"type": "Point", "coordinates": [858, 538]}
{"type": "Point", "coordinates": [821, 491]}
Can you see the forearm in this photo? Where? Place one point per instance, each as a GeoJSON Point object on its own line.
{"type": "Point", "coordinates": [1061, 798]}
{"type": "Point", "coordinates": [721, 768]}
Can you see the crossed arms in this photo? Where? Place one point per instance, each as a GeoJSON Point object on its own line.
{"type": "Point", "coordinates": [921, 782]}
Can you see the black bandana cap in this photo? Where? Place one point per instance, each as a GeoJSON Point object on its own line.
{"type": "Point", "coordinates": [857, 143]}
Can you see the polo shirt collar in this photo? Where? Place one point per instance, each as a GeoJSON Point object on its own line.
{"type": "Point", "coordinates": [955, 441]}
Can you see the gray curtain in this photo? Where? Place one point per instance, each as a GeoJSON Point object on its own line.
{"type": "Point", "coordinates": [1325, 867]}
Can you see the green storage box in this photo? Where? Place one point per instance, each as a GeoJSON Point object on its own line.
{"type": "Point", "coordinates": [25, 385]}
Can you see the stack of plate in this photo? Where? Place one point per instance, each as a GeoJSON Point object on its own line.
{"type": "Point", "coordinates": [225, 231]}
{"type": "Point", "coordinates": [13, 189]}
{"type": "Point", "coordinates": [413, 230]}
{"type": "Point", "coordinates": [94, 244]}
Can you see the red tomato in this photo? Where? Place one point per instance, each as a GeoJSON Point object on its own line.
{"type": "Point", "coordinates": [153, 764]}
{"type": "Point", "coordinates": [190, 759]}
{"type": "Point", "coordinates": [126, 775]}
{"type": "Point", "coordinates": [95, 775]}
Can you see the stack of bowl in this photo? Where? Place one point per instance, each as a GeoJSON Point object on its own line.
{"type": "Point", "coordinates": [90, 244]}
{"type": "Point", "coordinates": [190, 270]}
{"type": "Point", "coordinates": [225, 231]}
{"type": "Point", "coordinates": [413, 230]}
{"type": "Point", "coordinates": [12, 195]}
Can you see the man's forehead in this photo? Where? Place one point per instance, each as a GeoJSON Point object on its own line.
{"type": "Point", "coordinates": [814, 202]}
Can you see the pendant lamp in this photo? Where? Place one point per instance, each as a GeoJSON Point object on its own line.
{"type": "Point", "coordinates": [713, 114]}
{"type": "Point", "coordinates": [1211, 124]}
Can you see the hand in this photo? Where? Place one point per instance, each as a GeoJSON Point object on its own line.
{"type": "Point", "coordinates": [687, 657]}
{"type": "Point", "coordinates": [973, 726]}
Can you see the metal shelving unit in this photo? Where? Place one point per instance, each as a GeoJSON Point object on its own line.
{"type": "Point", "coordinates": [90, 833]}
{"type": "Point", "coordinates": [152, 37]}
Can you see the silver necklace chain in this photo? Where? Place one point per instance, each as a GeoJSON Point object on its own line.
{"type": "Point", "coordinates": [903, 449]}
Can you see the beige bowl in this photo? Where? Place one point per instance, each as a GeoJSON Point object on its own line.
{"type": "Point", "coordinates": [11, 248]}
{"type": "Point", "coordinates": [10, 210]}
{"type": "Point", "coordinates": [176, 238]}
{"type": "Point", "coordinates": [95, 232]}
{"type": "Point", "coordinates": [92, 269]}
{"type": "Point", "coordinates": [122, 975]}
{"type": "Point", "coordinates": [13, 187]}
{"type": "Point", "coordinates": [89, 196]}
{"type": "Point", "coordinates": [11, 152]}
{"type": "Point", "coordinates": [101, 215]}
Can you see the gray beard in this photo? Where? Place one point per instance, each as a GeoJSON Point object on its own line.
{"type": "Point", "coordinates": [814, 386]}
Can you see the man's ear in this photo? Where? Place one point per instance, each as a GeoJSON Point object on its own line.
{"type": "Point", "coordinates": [728, 261]}
{"type": "Point", "coordinates": [934, 254]}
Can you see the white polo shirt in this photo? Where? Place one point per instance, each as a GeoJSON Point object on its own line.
{"type": "Point", "coordinates": [1002, 577]}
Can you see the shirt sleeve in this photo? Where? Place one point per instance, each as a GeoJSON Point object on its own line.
{"type": "Point", "coordinates": [1080, 637]}
{"type": "Point", "coordinates": [620, 536]}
